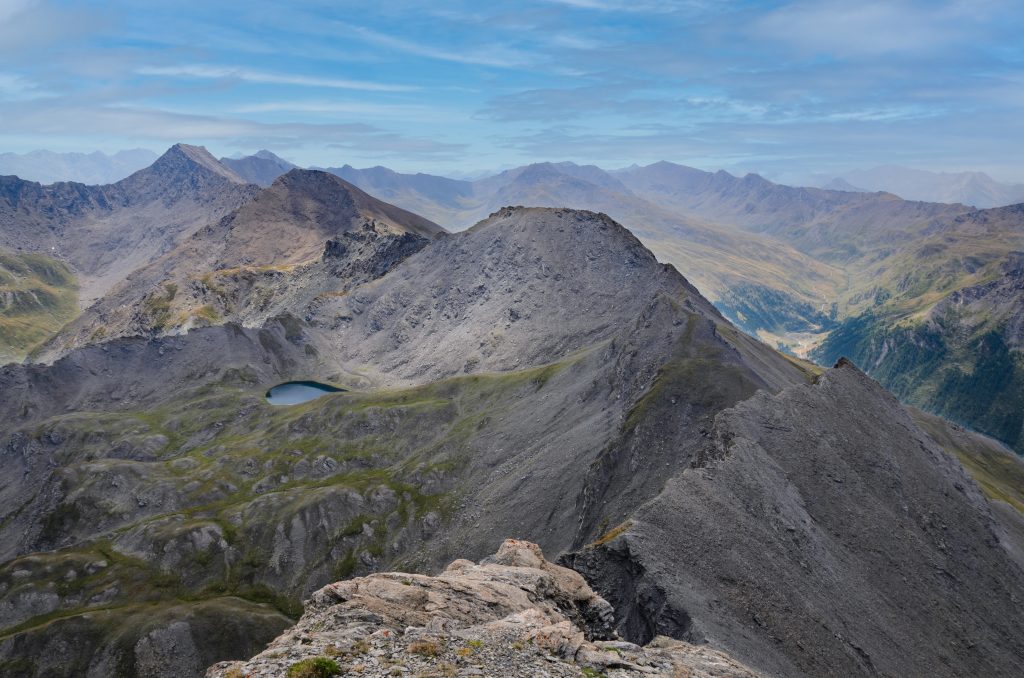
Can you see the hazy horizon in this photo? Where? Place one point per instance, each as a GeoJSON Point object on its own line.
{"type": "Point", "coordinates": [784, 89]}
{"type": "Point", "coordinates": [788, 178]}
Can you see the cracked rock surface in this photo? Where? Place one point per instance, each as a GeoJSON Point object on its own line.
{"type": "Point", "coordinates": [513, 614]}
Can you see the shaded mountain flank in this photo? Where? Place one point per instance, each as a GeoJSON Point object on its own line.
{"type": "Point", "coordinates": [540, 375]}
{"type": "Point", "coordinates": [960, 357]}
{"type": "Point", "coordinates": [310, 233]}
{"type": "Point", "coordinates": [819, 273]}
{"type": "Point", "coordinates": [105, 232]}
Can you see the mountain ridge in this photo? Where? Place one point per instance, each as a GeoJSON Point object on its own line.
{"type": "Point", "coordinates": [105, 232]}
{"type": "Point", "coordinates": [291, 241]}
{"type": "Point", "coordinates": [787, 264]}
{"type": "Point", "coordinates": [542, 375]}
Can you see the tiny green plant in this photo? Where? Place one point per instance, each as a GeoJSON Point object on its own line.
{"type": "Point", "coordinates": [314, 667]}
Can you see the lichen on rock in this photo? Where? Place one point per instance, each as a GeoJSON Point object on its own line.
{"type": "Point", "coordinates": [512, 614]}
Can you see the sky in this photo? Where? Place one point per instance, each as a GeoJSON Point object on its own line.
{"type": "Point", "coordinates": [781, 88]}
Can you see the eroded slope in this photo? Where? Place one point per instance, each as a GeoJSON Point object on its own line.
{"type": "Point", "coordinates": [822, 533]}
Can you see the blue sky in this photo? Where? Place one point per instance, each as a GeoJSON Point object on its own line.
{"type": "Point", "coordinates": [783, 88]}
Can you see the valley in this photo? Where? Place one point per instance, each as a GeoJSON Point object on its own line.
{"type": "Point", "coordinates": [309, 384]}
{"type": "Point", "coordinates": [819, 273]}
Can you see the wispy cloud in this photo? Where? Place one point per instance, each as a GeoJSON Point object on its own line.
{"type": "Point", "coordinates": [28, 27]}
{"type": "Point", "coordinates": [355, 108]}
{"type": "Point", "coordinates": [465, 85]}
{"type": "Point", "coordinates": [17, 88]}
{"type": "Point", "coordinates": [656, 6]}
{"type": "Point", "coordinates": [11, 8]}
{"type": "Point", "coordinates": [169, 127]}
{"type": "Point", "coordinates": [873, 27]}
{"type": "Point", "coordinates": [495, 55]}
{"type": "Point", "coordinates": [213, 72]}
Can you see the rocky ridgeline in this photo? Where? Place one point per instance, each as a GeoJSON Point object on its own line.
{"type": "Point", "coordinates": [514, 614]}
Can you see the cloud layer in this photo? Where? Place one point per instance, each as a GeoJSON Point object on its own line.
{"type": "Point", "coordinates": [785, 88]}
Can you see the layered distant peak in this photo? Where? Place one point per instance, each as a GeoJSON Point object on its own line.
{"type": "Point", "coordinates": [840, 184]}
{"type": "Point", "coordinates": [426, 194]}
{"type": "Point", "coordinates": [308, 233]}
{"type": "Point", "coordinates": [262, 168]}
{"type": "Point", "coordinates": [289, 222]}
{"type": "Point", "coordinates": [971, 188]}
{"type": "Point", "coordinates": [105, 232]}
{"type": "Point", "coordinates": [182, 171]}
{"type": "Point", "coordinates": [94, 168]}
{"type": "Point", "coordinates": [333, 205]}
{"type": "Point", "coordinates": [184, 155]}
{"type": "Point", "coordinates": [560, 172]}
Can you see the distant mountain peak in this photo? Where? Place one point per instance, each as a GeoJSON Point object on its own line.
{"type": "Point", "coordinates": [261, 168]}
{"type": "Point", "coordinates": [180, 155]}
{"type": "Point", "coordinates": [840, 184]}
{"type": "Point", "coordinates": [94, 169]}
{"type": "Point", "coordinates": [323, 199]}
{"type": "Point", "coordinates": [970, 188]}
{"type": "Point", "coordinates": [269, 155]}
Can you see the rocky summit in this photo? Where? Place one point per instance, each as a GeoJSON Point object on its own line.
{"type": "Point", "coordinates": [512, 614]}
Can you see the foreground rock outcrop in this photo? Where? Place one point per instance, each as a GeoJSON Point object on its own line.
{"type": "Point", "coordinates": [513, 614]}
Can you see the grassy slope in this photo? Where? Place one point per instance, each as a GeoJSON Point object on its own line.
{"type": "Point", "coordinates": [999, 473]}
{"type": "Point", "coordinates": [947, 363]}
{"type": "Point", "coordinates": [38, 295]}
{"type": "Point", "coordinates": [234, 461]}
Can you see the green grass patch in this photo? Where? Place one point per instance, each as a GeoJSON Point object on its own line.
{"type": "Point", "coordinates": [314, 667]}
{"type": "Point", "coordinates": [38, 296]}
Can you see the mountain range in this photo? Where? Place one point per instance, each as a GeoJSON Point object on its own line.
{"type": "Point", "coordinates": [795, 265]}
{"type": "Point", "coordinates": [789, 265]}
{"type": "Point", "coordinates": [540, 374]}
{"type": "Point", "coordinates": [970, 188]}
{"type": "Point", "coordinates": [48, 167]}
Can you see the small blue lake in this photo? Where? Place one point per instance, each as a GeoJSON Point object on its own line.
{"type": "Point", "coordinates": [295, 392]}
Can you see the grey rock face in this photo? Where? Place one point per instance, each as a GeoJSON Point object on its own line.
{"type": "Point", "coordinates": [453, 460]}
{"type": "Point", "coordinates": [822, 534]}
